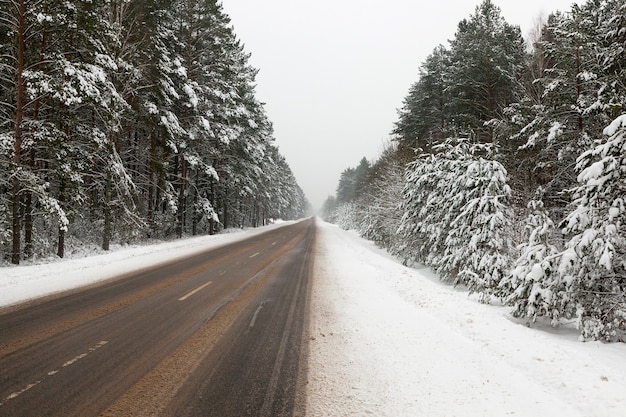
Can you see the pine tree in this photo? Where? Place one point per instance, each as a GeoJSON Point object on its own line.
{"type": "Point", "coordinates": [456, 215]}
{"type": "Point", "coordinates": [424, 118]}
{"type": "Point", "coordinates": [533, 278]}
{"type": "Point", "coordinates": [15, 23]}
{"type": "Point", "coordinates": [581, 86]}
{"type": "Point", "coordinates": [477, 246]}
{"type": "Point", "coordinates": [127, 119]}
{"type": "Point", "coordinates": [593, 267]}
{"type": "Point", "coordinates": [379, 211]}
{"type": "Point", "coordinates": [485, 63]}
{"type": "Point", "coordinates": [569, 111]}
{"type": "Point", "coordinates": [424, 225]}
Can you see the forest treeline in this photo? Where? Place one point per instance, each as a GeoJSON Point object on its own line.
{"type": "Point", "coordinates": [507, 168]}
{"type": "Point", "coordinates": [124, 120]}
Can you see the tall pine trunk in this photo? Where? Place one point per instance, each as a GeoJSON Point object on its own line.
{"type": "Point", "coordinates": [28, 197]}
{"type": "Point", "coordinates": [106, 235]}
{"type": "Point", "coordinates": [212, 225]}
{"type": "Point", "coordinates": [194, 211]}
{"type": "Point", "coordinates": [579, 89]}
{"type": "Point", "coordinates": [226, 213]}
{"type": "Point", "coordinates": [19, 117]}
{"type": "Point", "coordinates": [61, 236]}
{"type": "Point", "coordinates": [28, 215]}
{"type": "Point", "coordinates": [180, 228]}
{"type": "Point", "coordinates": [151, 182]}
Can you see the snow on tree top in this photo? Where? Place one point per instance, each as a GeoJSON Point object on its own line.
{"type": "Point", "coordinates": [617, 124]}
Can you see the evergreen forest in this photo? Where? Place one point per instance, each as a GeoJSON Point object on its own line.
{"type": "Point", "coordinates": [506, 172]}
{"type": "Point", "coordinates": [129, 120]}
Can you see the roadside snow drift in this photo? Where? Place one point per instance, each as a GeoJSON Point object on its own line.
{"type": "Point", "coordinates": [393, 341]}
{"type": "Point", "coordinates": [23, 283]}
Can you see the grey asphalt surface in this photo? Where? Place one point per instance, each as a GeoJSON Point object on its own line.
{"type": "Point", "coordinates": [220, 333]}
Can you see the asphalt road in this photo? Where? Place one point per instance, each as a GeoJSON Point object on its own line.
{"type": "Point", "coordinates": [220, 333]}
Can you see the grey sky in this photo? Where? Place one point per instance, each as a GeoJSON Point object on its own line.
{"type": "Point", "coordinates": [334, 72]}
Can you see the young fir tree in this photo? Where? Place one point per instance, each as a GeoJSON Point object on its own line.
{"type": "Point", "coordinates": [431, 202]}
{"type": "Point", "coordinates": [581, 87]}
{"type": "Point", "coordinates": [533, 278]}
{"type": "Point", "coordinates": [456, 215]}
{"type": "Point", "coordinates": [593, 267]}
{"type": "Point", "coordinates": [379, 209]}
{"type": "Point", "coordinates": [477, 247]}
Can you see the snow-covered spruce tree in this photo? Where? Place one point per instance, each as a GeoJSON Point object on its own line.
{"type": "Point", "coordinates": [328, 208]}
{"type": "Point", "coordinates": [422, 229]}
{"type": "Point", "coordinates": [153, 87]}
{"type": "Point", "coordinates": [456, 215]}
{"type": "Point", "coordinates": [484, 66]}
{"type": "Point", "coordinates": [379, 208]}
{"type": "Point", "coordinates": [63, 108]}
{"type": "Point", "coordinates": [533, 278]}
{"type": "Point", "coordinates": [279, 196]}
{"type": "Point", "coordinates": [353, 184]}
{"type": "Point", "coordinates": [593, 266]}
{"type": "Point", "coordinates": [431, 202]}
{"type": "Point", "coordinates": [346, 216]}
{"type": "Point", "coordinates": [424, 117]}
{"type": "Point", "coordinates": [477, 246]}
{"type": "Point", "coordinates": [565, 105]}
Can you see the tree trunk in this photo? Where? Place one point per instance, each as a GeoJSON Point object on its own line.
{"type": "Point", "coordinates": [61, 238]}
{"type": "Point", "coordinates": [28, 198]}
{"type": "Point", "coordinates": [15, 212]}
{"type": "Point", "coordinates": [28, 218]}
{"type": "Point", "coordinates": [212, 225]}
{"type": "Point", "coordinates": [106, 235]}
{"type": "Point", "coordinates": [226, 213]}
{"type": "Point", "coordinates": [19, 116]}
{"type": "Point", "coordinates": [491, 108]}
{"type": "Point", "coordinates": [579, 88]}
{"type": "Point", "coordinates": [151, 182]}
{"type": "Point", "coordinates": [61, 243]}
{"type": "Point", "coordinates": [194, 211]}
{"type": "Point", "coordinates": [180, 228]}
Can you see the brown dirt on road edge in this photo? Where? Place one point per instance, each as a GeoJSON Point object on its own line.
{"type": "Point", "coordinates": [151, 395]}
{"type": "Point", "coordinates": [303, 379]}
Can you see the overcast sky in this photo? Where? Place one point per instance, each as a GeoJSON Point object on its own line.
{"type": "Point", "coordinates": [334, 72]}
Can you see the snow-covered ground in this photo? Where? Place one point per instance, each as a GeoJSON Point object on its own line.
{"type": "Point", "coordinates": [394, 341]}
{"type": "Point", "coordinates": [387, 340]}
{"type": "Point", "coordinates": [23, 283]}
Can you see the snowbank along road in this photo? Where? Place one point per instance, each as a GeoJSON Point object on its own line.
{"type": "Point", "coordinates": [215, 334]}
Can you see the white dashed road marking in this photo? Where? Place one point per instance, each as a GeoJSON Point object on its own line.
{"type": "Point", "coordinates": [189, 294]}
{"type": "Point", "coordinates": [54, 372]}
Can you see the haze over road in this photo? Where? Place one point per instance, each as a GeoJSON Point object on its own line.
{"type": "Point", "coordinates": [219, 333]}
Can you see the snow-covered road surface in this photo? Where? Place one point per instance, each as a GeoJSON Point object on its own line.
{"type": "Point", "coordinates": [393, 341]}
